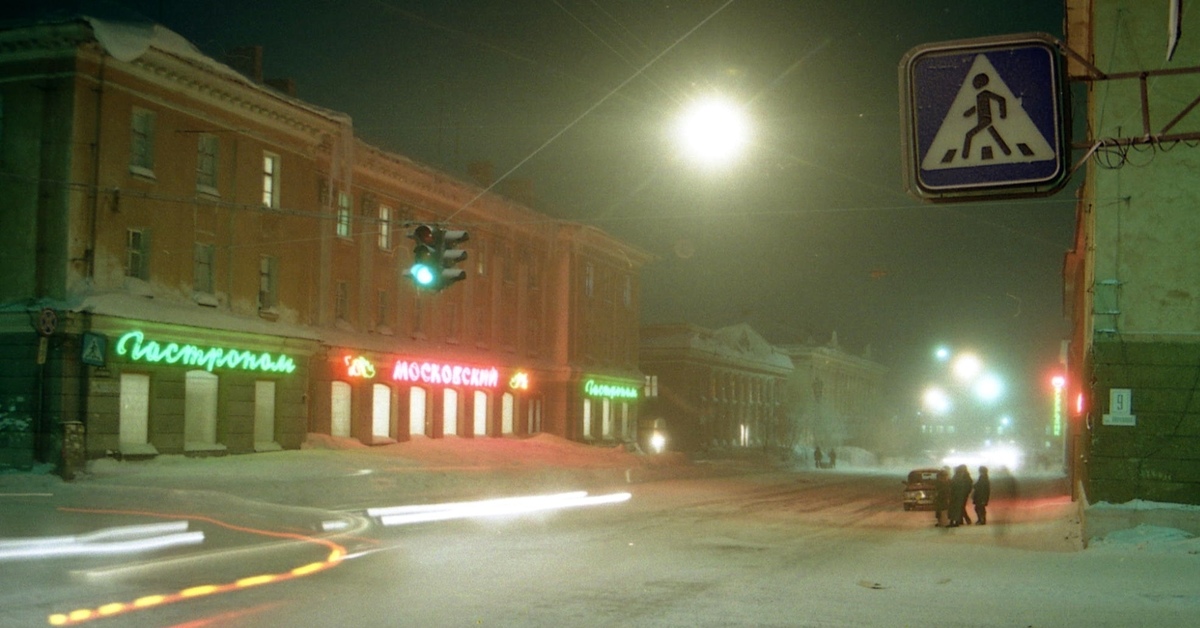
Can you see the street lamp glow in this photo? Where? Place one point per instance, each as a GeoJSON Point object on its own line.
{"type": "Point", "coordinates": [713, 131]}
{"type": "Point", "coordinates": [967, 367]}
{"type": "Point", "coordinates": [937, 400]}
{"type": "Point", "coordinates": [942, 354]}
{"type": "Point", "coordinates": [988, 388]}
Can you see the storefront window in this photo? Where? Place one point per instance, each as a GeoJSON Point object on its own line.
{"type": "Point", "coordinates": [339, 402]}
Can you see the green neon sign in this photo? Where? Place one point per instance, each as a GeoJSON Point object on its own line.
{"type": "Point", "coordinates": [134, 345]}
{"type": "Point", "coordinates": [593, 389]}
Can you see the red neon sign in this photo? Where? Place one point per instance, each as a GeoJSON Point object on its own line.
{"type": "Point", "coordinates": [445, 374]}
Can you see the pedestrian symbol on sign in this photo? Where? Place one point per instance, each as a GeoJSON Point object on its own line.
{"type": "Point", "coordinates": [984, 118]}
{"type": "Point", "coordinates": [94, 348]}
{"type": "Point", "coordinates": [987, 116]}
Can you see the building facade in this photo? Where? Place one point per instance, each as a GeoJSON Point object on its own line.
{"type": "Point", "coordinates": [1131, 281]}
{"type": "Point", "coordinates": [198, 263]}
{"type": "Point", "coordinates": [715, 389]}
{"type": "Point", "coordinates": [835, 397]}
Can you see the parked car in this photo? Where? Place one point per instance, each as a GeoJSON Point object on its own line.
{"type": "Point", "coordinates": [920, 489]}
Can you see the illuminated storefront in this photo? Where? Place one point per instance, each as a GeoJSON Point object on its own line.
{"type": "Point", "coordinates": [411, 396]}
{"type": "Point", "coordinates": [608, 409]}
{"type": "Point", "coordinates": [184, 390]}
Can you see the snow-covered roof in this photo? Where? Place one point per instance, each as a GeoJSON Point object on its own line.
{"type": "Point", "coordinates": [736, 342]}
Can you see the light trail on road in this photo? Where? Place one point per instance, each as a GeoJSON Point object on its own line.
{"type": "Point", "coordinates": [336, 554]}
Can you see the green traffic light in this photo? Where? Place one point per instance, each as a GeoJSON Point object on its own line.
{"type": "Point", "coordinates": [422, 274]}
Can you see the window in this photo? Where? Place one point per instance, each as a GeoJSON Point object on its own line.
{"type": "Point", "coordinates": [268, 282]}
{"type": "Point", "coordinates": [200, 411]}
{"type": "Point", "coordinates": [339, 406]}
{"type": "Point", "coordinates": [342, 303]}
{"type": "Point", "coordinates": [141, 158]}
{"type": "Point", "coordinates": [137, 254]}
{"type": "Point", "coordinates": [381, 309]}
{"type": "Point", "coordinates": [343, 215]}
{"type": "Point", "coordinates": [270, 187]}
{"type": "Point", "coordinates": [206, 164]}
{"type": "Point", "coordinates": [533, 275]}
{"type": "Point", "coordinates": [264, 415]}
{"type": "Point", "coordinates": [385, 228]}
{"type": "Point", "coordinates": [508, 265]}
{"type": "Point", "coordinates": [202, 268]}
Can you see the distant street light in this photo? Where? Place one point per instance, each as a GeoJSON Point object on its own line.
{"type": "Point", "coordinates": [967, 367]}
{"type": "Point", "coordinates": [713, 131]}
{"type": "Point", "coordinates": [937, 401]}
{"type": "Point", "coordinates": [988, 388]}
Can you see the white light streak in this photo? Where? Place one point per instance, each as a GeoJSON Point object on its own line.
{"type": "Point", "coordinates": [507, 506]}
{"type": "Point", "coordinates": [118, 540]}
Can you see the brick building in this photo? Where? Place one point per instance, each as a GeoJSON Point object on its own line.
{"type": "Point", "coordinates": [198, 262]}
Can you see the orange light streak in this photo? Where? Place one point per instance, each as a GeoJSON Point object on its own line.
{"type": "Point", "coordinates": [336, 554]}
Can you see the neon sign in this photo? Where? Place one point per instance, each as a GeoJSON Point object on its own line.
{"type": "Point", "coordinates": [134, 344]}
{"type": "Point", "coordinates": [446, 374]}
{"type": "Point", "coordinates": [519, 381]}
{"type": "Point", "coordinates": [359, 367]}
{"type": "Point", "coordinates": [593, 389]}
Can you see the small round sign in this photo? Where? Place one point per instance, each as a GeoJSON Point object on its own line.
{"type": "Point", "coordinates": [47, 322]}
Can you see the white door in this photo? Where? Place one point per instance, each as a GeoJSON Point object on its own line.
{"type": "Point", "coordinates": [450, 412]}
{"type": "Point", "coordinates": [480, 410]}
{"type": "Point", "coordinates": [606, 418]}
{"type": "Point", "coordinates": [587, 418]}
{"type": "Point", "coordinates": [135, 409]}
{"type": "Point", "coordinates": [200, 410]}
{"type": "Point", "coordinates": [264, 412]}
{"type": "Point", "coordinates": [416, 411]}
{"type": "Point", "coordinates": [339, 400]}
{"type": "Point", "coordinates": [381, 411]}
{"type": "Point", "coordinates": [506, 413]}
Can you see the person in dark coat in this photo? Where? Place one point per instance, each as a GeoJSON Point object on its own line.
{"type": "Point", "coordinates": [941, 497]}
{"type": "Point", "coordinates": [960, 489]}
{"type": "Point", "coordinates": [981, 494]}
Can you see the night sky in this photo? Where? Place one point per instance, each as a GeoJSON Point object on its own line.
{"type": "Point", "coordinates": [810, 233]}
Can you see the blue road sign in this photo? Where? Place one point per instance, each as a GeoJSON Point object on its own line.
{"type": "Point", "coordinates": [985, 118]}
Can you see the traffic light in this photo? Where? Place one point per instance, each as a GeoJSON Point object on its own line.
{"type": "Point", "coordinates": [447, 241]}
{"type": "Point", "coordinates": [426, 267]}
{"type": "Point", "coordinates": [434, 256]}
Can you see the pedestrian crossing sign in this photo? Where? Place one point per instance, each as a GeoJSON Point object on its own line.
{"type": "Point", "coordinates": [984, 118]}
{"type": "Point", "coordinates": [93, 349]}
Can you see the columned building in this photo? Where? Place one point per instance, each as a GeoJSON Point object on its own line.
{"type": "Point", "coordinates": [715, 389]}
{"type": "Point", "coordinates": [196, 262]}
{"type": "Point", "coordinates": [835, 398]}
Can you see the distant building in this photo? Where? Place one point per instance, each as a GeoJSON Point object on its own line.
{"type": "Point", "coordinates": [715, 389]}
{"type": "Point", "coordinates": [835, 397]}
{"type": "Point", "coordinates": [1132, 282]}
{"type": "Point", "coordinates": [196, 262]}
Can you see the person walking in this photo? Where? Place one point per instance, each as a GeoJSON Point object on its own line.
{"type": "Point", "coordinates": [941, 497]}
{"type": "Point", "coordinates": [960, 488]}
{"type": "Point", "coordinates": [981, 494]}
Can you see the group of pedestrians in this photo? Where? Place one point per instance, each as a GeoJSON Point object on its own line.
{"type": "Point", "coordinates": [950, 504]}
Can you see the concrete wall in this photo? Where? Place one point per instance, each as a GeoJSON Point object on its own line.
{"type": "Point", "coordinates": [1144, 262]}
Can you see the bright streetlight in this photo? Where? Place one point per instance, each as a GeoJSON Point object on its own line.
{"type": "Point", "coordinates": [937, 400]}
{"type": "Point", "coordinates": [988, 388]}
{"type": "Point", "coordinates": [713, 131]}
{"type": "Point", "coordinates": [967, 367]}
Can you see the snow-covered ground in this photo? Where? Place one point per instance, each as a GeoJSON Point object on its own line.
{"type": "Point", "coordinates": [877, 566]}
